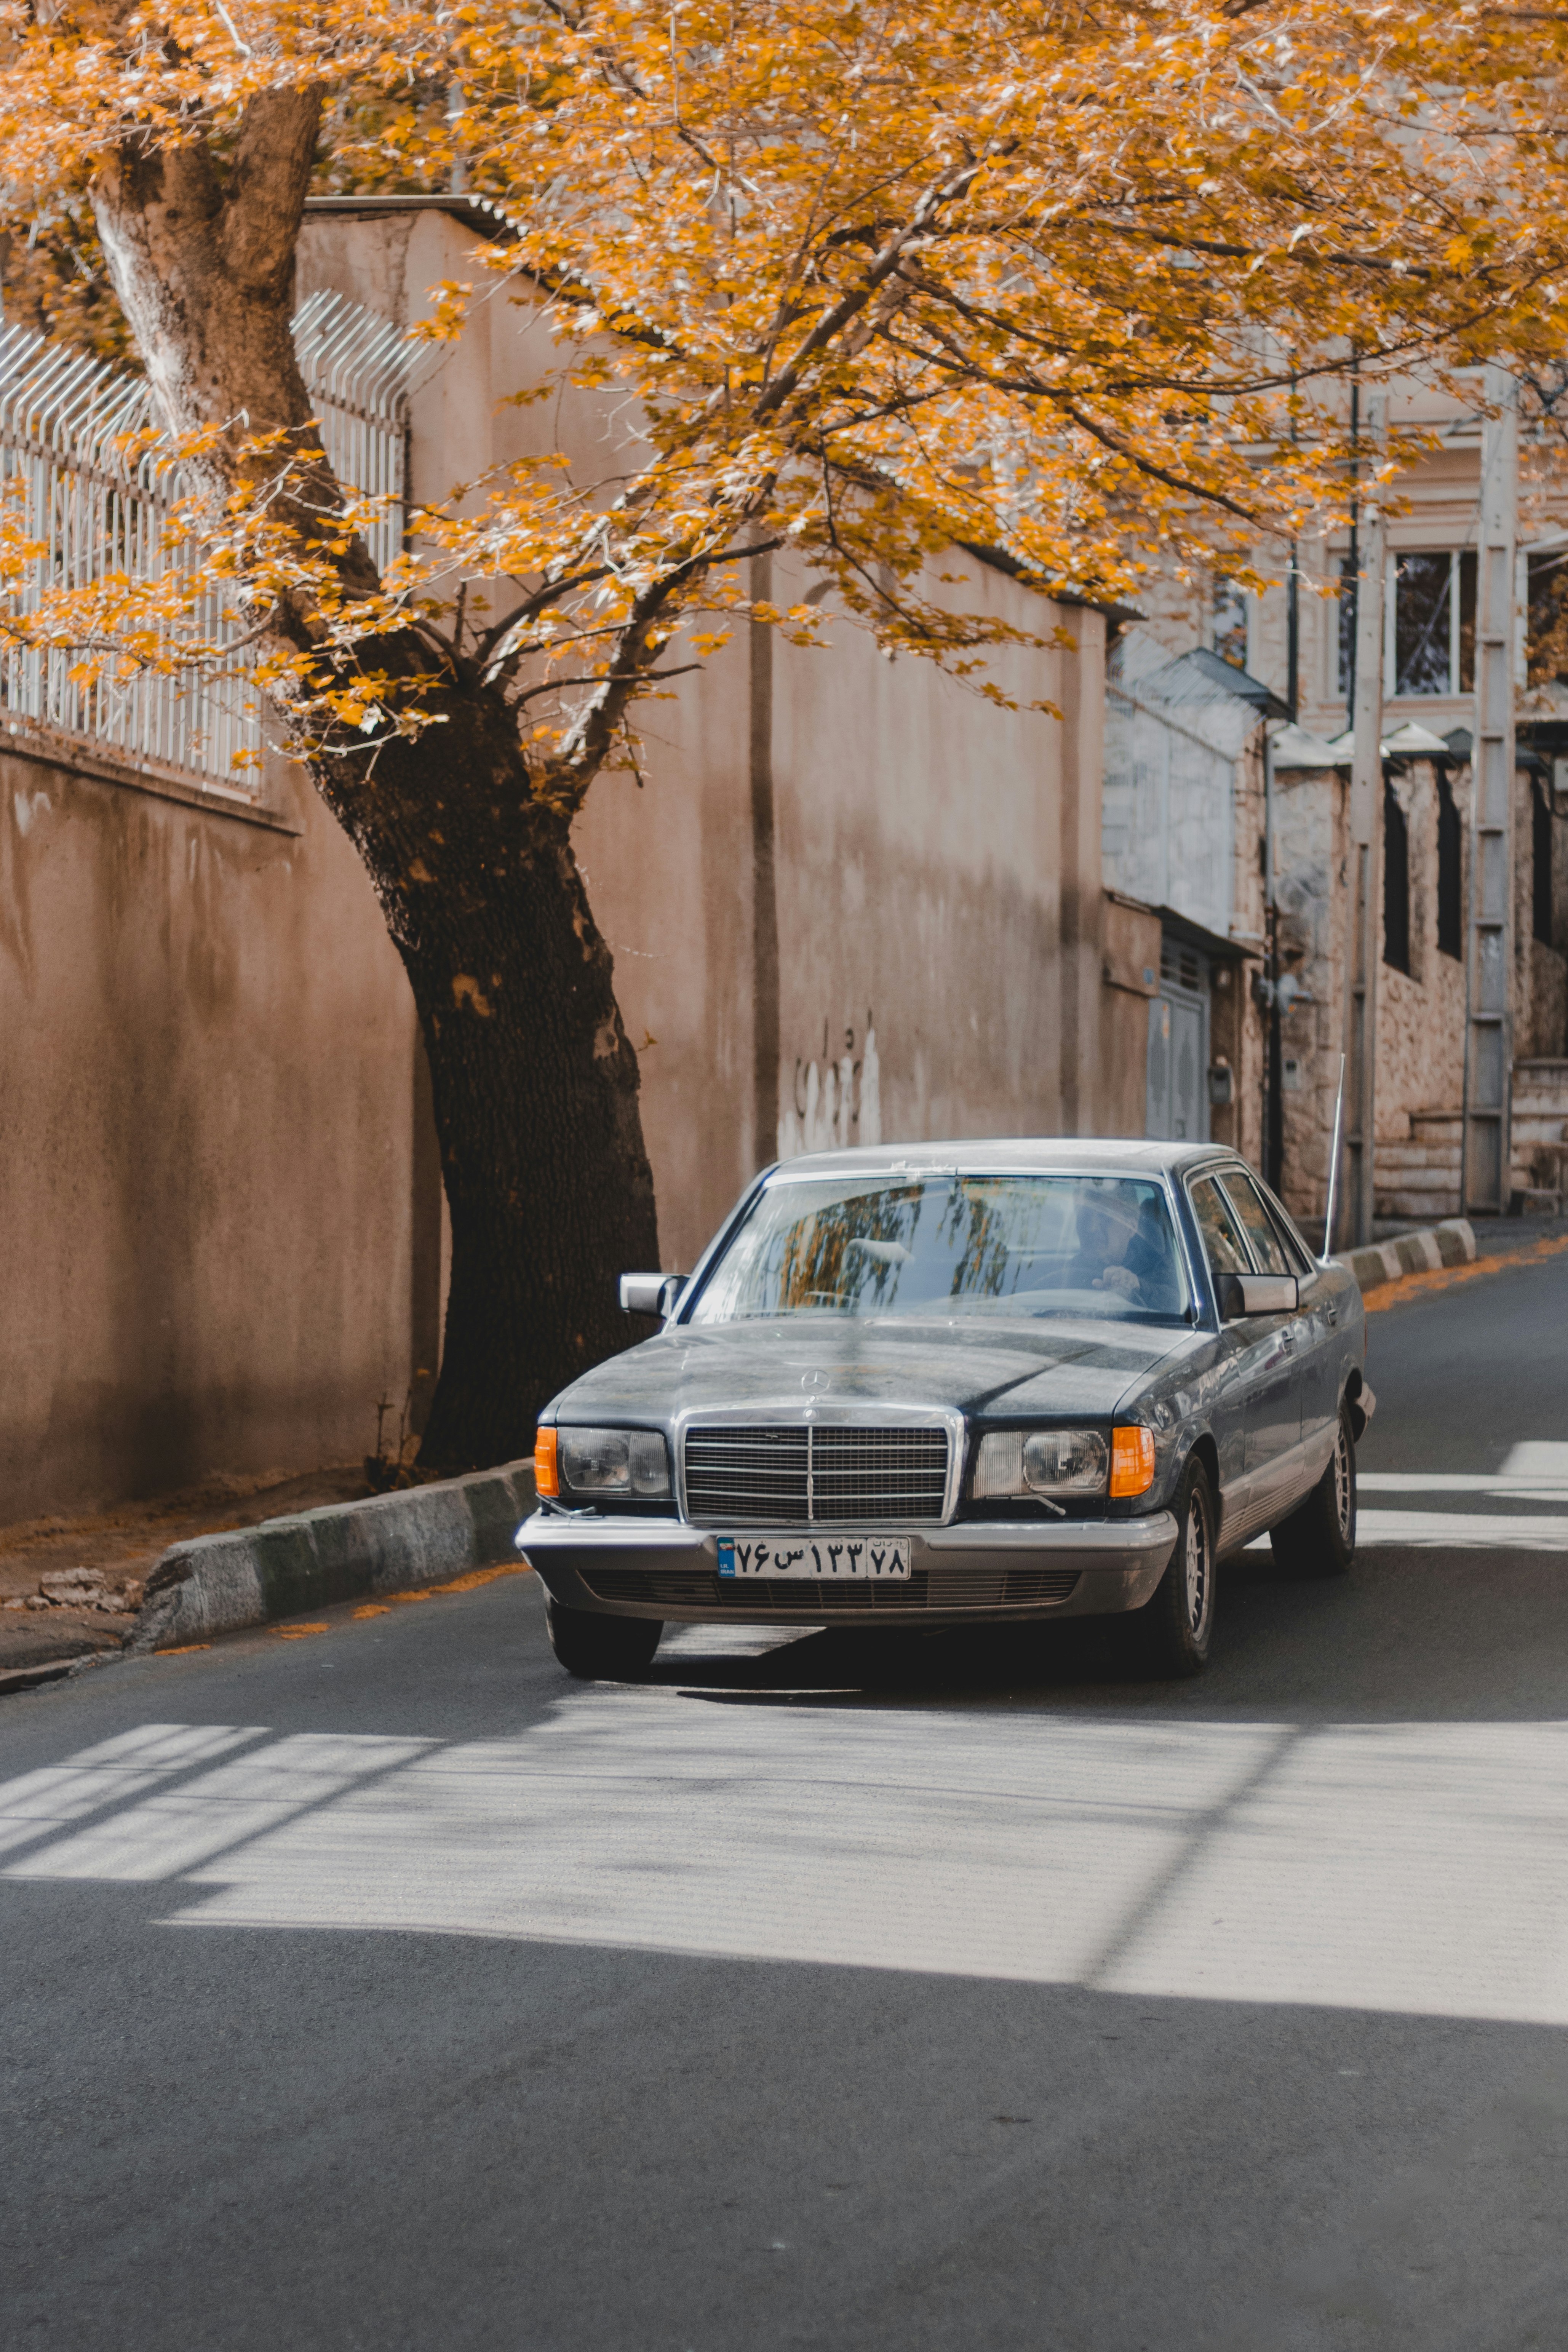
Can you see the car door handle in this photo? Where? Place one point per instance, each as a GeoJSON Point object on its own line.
{"type": "Point", "coordinates": [1330, 1314]}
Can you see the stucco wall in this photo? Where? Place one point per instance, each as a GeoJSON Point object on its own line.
{"type": "Point", "coordinates": [924, 896]}
{"type": "Point", "coordinates": [208, 1074]}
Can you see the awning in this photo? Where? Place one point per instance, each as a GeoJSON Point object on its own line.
{"type": "Point", "coordinates": [1210, 943]}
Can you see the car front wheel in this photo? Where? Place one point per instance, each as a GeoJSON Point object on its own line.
{"type": "Point", "coordinates": [1180, 1617]}
{"type": "Point", "coordinates": [1318, 1536]}
{"type": "Point", "coordinates": [600, 1649]}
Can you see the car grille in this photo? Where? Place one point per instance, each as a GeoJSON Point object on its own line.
{"type": "Point", "coordinates": [793, 1473]}
{"type": "Point", "coordinates": [684, 1588]}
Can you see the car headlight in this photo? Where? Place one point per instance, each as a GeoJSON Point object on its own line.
{"type": "Point", "coordinates": [613, 1461]}
{"type": "Point", "coordinates": [1041, 1462]}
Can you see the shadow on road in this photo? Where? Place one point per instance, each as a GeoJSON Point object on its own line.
{"type": "Point", "coordinates": [1409, 1636]}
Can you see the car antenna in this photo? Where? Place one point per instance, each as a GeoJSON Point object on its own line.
{"type": "Point", "coordinates": [1334, 1163]}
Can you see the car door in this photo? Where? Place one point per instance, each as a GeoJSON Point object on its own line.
{"type": "Point", "coordinates": [1274, 1460]}
{"type": "Point", "coordinates": [1319, 1343]}
{"type": "Point", "coordinates": [1224, 1247]}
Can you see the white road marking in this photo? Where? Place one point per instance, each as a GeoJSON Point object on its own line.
{"type": "Point", "coordinates": [1538, 1458]}
{"type": "Point", "coordinates": [1495, 1483]}
{"type": "Point", "coordinates": [1464, 1530]}
{"type": "Point", "coordinates": [1456, 1531]}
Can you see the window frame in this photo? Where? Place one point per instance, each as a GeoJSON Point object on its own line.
{"type": "Point", "coordinates": [1232, 1182]}
{"type": "Point", "coordinates": [1292, 1243]}
{"type": "Point", "coordinates": [1212, 1172]}
{"type": "Point", "coordinates": [1461, 591]}
{"type": "Point", "coordinates": [1221, 1172]}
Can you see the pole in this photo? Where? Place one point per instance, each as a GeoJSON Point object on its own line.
{"type": "Point", "coordinates": [1365, 861]}
{"type": "Point", "coordinates": [1273, 1072]}
{"type": "Point", "coordinates": [1354, 566]}
{"type": "Point", "coordinates": [1334, 1162]}
{"type": "Point", "coordinates": [1293, 607]}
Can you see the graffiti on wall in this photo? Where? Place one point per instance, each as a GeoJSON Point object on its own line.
{"type": "Point", "coordinates": [833, 1102]}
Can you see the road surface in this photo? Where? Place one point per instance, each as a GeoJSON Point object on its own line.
{"type": "Point", "coordinates": [382, 1988]}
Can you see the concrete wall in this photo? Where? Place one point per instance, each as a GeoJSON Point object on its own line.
{"type": "Point", "coordinates": [1308, 834]}
{"type": "Point", "coordinates": [206, 1167]}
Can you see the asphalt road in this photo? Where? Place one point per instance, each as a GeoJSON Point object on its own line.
{"type": "Point", "coordinates": [382, 1989]}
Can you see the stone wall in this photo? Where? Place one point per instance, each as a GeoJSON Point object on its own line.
{"type": "Point", "coordinates": [1421, 1016]}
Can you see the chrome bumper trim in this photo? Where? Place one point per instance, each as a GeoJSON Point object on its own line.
{"type": "Point", "coordinates": [1108, 1566]}
{"type": "Point", "coordinates": [1094, 1541]}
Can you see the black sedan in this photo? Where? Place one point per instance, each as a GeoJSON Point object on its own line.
{"type": "Point", "coordinates": [946, 1383]}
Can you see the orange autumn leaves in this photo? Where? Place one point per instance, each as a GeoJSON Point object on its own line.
{"type": "Point", "coordinates": [1082, 287]}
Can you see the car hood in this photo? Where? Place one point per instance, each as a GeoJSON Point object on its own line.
{"type": "Point", "coordinates": [1050, 1368]}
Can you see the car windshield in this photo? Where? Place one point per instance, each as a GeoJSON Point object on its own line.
{"type": "Point", "coordinates": [949, 1244]}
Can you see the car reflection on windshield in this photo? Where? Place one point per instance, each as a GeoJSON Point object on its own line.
{"type": "Point", "coordinates": [947, 1245]}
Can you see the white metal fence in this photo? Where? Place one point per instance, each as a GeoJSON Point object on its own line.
{"type": "Point", "coordinates": [62, 414]}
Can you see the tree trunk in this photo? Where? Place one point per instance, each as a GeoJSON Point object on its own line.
{"type": "Point", "coordinates": [535, 1084]}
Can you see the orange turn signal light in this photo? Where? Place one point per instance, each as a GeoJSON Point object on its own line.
{"type": "Point", "coordinates": [546, 1479]}
{"type": "Point", "coordinates": [1132, 1461]}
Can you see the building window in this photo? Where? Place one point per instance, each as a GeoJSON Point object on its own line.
{"type": "Point", "coordinates": [1541, 875]}
{"type": "Point", "coordinates": [1395, 883]}
{"type": "Point", "coordinates": [1429, 642]}
{"type": "Point", "coordinates": [1433, 623]}
{"type": "Point", "coordinates": [1450, 871]}
{"type": "Point", "coordinates": [1228, 620]}
{"type": "Point", "coordinates": [1349, 588]}
{"type": "Point", "coordinates": [1546, 629]}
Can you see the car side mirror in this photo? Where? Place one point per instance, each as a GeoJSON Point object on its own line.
{"type": "Point", "coordinates": [1257, 1294]}
{"type": "Point", "coordinates": [651, 1294]}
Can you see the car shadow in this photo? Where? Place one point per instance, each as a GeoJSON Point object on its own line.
{"type": "Point", "coordinates": [1409, 1635]}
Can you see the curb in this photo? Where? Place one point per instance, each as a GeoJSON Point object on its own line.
{"type": "Point", "coordinates": [345, 1551]}
{"type": "Point", "coordinates": [1453, 1242]}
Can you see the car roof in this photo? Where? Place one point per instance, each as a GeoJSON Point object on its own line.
{"type": "Point", "coordinates": [1053, 1154]}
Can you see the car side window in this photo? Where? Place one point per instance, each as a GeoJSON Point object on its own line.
{"type": "Point", "coordinates": [1223, 1244]}
{"type": "Point", "coordinates": [1299, 1256]}
{"type": "Point", "coordinates": [1248, 1202]}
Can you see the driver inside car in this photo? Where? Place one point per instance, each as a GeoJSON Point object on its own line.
{"type": "Point", "coordinates": [1127, 1253]}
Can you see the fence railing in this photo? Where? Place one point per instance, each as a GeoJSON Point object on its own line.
{"type": "Point", "coordinates": [63, 415]}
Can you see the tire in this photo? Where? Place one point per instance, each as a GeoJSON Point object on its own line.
{"type": "Point", "coordinates": [600, 1649]}
{"type": "Point", "coordinates": [1179, 1620]}
{"type": "Point", "coordinates": [1318, 1536]}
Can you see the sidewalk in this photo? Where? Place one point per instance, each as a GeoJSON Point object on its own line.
{"type": "Point", "coordinates": [1499, 1241]}
{"type": "Point", "coordinates": [97, 1562]}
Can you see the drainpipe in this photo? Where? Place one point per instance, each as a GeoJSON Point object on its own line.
{"type": "Point", "coordinates": [1362, 945]}
{"type": "Point", "coordinates": [1273, 1070]}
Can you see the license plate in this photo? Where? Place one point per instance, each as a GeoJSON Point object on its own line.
{"type": "Point", "coordinates": [872, 1560]}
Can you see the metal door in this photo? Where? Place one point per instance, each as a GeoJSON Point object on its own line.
{"type": "Point", "coordinates": [1176, 1105]}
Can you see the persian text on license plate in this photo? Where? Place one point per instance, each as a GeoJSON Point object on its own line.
{"type": "Point", "coordinates": [871, 1558]}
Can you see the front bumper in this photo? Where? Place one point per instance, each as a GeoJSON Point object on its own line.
{"type": "Point", "coordinates": [976, 1571]}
